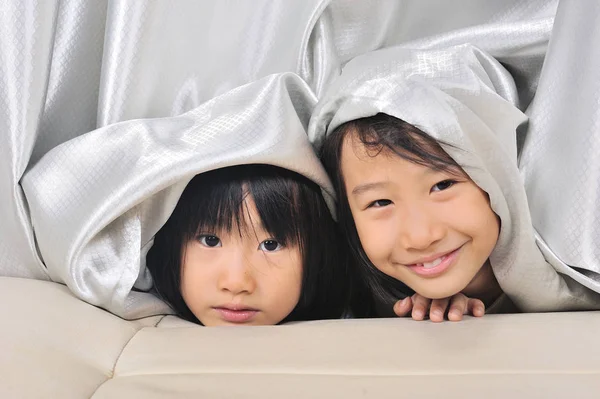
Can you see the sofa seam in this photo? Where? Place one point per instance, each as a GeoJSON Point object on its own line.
{"type": "Point", "coordinates": [159, 320]}
{"type": "Point", "coordinates": [112, 371]}
{"type": "Point", "coordinates": [372, 374]}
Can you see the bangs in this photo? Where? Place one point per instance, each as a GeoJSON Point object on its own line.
{"type": "Point", "coordinates": [288, 206]}
{"type": "Point", "coordinates": [279, 205]}
{"type": "Point", "coordinates": [385, 133]}
{"type": "Point", "coordinates": [217, 202]}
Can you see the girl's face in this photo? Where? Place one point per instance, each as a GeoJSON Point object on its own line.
{"type": "Point", "coordinates": [432, 230]}
{"type": "Point", "coordinates": [241, 279]}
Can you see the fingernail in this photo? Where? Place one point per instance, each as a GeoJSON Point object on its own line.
{"type": "Point", "coordinates": [438, 313]}
{"type": "Point", "coordinates": [455, 313]}
{"type": "Point", "coordinates": [418, 314]}
{"type": "Point", "coordinates": [399, 304]}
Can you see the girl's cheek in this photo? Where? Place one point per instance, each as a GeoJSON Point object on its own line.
{"type": "Point", "coordinates": [363, 228]}
{"type": "Point", "coordinates": [469, 212]}
{"type": "Point", "coordinates": [377, 239]}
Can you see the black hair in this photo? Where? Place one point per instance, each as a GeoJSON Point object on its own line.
{"type": "Point", "coordinates": [379, 133]}
{"type": "Point", "coordinates": [291, 208]}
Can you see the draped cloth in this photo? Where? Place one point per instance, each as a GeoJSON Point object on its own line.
{"type": "Point", "coordinates": [560, 160]}
{"type": "Point", "coordinates": [97, 201]}
{"type": "Point", "coordinates": [108, 69]}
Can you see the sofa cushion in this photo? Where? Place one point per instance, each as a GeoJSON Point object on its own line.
{"type": "Point", "coordinates": [54, 345]}
{"type": "Point", "coordinates": [519, 355]}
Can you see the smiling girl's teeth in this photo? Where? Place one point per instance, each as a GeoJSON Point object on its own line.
{"type": "Point", "coordinates": [433, 264]}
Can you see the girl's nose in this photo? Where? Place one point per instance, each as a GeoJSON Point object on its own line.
{"type": "Point", "coordinates": [419, 229]}
{"type": "Point", "coordinates": [236, 274]}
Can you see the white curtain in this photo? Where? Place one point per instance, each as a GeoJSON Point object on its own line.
{"type": "Point", "coordinates": [68, 68]}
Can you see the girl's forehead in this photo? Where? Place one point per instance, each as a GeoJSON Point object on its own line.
{"type": "Point", "coordinates": [371, 151]}
{"type": "Point", "coordinates": [249, 218]}
{"type": "Point", "coordinates": [353, 145]}
{"type": "Point", "coordinates": [239, 217]}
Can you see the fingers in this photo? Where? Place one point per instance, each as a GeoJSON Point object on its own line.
{"type": "Point", "coordinates": [476, 307]}
{"type": "Point", "coordinates": [458, 307]}
{"type": "Point", "coordinates": [438, 309]}
{"type": "Point", "coordinates": [420, 306]}
{"type": "Point", "coordinates": [461, 305]}
{"type": "Point", "coordinates": [403, 307]}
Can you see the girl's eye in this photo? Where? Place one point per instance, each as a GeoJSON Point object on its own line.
{"type": "Point", "coordinates": [270, 246]}
{"type": "Point", "coordinates": [380, 203]}
{"type": "Point", "coordinates": [443, 185]}
{"type": "Point", "coordinates": [210, 241]}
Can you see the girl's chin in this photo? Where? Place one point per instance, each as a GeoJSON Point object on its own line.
{"type": "Point", "coordinates": [444, 288]}
{"type": "Point", "coordinates": [440, 296]}
{"type": "Point", "coordinates": [441, 293]}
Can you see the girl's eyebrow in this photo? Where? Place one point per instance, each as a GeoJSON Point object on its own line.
{"type": "Point", "coordinates": [363, 188]}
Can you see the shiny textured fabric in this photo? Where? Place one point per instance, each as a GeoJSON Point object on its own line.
{"type": "Point", "coordinates": [26, 31]}
{"type": "Point", "coordinates": [560, 155]}
{"type": "Point", "coordinates": [516, 33]}
{"type": "Point", "coordinates": [96, 201]}
{"type": "Point", "coordinates": [464, 98]}
{"type": "Point", "coordinates": [69, 67]}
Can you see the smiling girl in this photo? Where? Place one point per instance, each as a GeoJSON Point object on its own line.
{"type": "Point", "coordinates": [418, 216]}
{"type": "Point", "coordinates": [421, 146]}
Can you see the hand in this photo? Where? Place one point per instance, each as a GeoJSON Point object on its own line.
{"type": "Point", "coordinates": [460, 305]}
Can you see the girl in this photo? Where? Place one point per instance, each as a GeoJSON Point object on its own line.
{"type": "Point", "coordinates": [421, 146]}
{"type": "Point", "coordinates": [247, 244]}
{"type": "Point", "coordinates": [370, 148]}
{"type": "Point", "coordinates": [250, 245]}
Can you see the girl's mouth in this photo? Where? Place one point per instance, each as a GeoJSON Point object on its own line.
{"type": "Point", "coordinates": [437, 266]}
{"type": "Point", "coordinates": [233, 315]}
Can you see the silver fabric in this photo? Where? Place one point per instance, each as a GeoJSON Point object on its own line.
{"type": "Point", "coordinates": [514, 32]}
{"type": "Point", "coordinates": [560, 154]}
{"type": "Point", "coordinates": [97, 201]}
{"type": "Point", "coordinates": [465, 98]}
{"type": "Point", "coordinates": [25, 52]}
{"type": "Point", "coordinates": [69, 67]}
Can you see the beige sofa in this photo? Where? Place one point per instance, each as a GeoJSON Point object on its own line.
{"type": "Point", "coordinates": [56, 346]}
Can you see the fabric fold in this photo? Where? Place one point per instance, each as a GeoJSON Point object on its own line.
{"type": "Point", "coordinates": [72, 66]}
{"type": "Point", "coordinates": [559, 160]}
{"type": "Point", "coordinates": [96, 201]}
